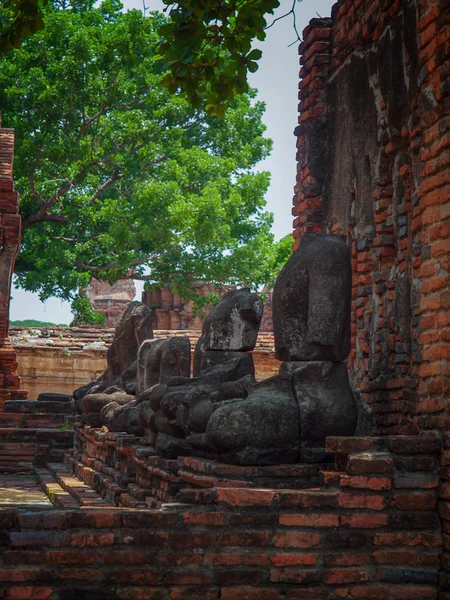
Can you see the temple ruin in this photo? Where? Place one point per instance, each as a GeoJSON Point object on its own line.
{"type": "Point", "coordinates": [168, 492]}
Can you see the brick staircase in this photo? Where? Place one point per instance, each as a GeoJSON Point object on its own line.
{"type": "Point", "coordinates": [34, 431]}
{"type": "Point", "coordinates": [65, 490]}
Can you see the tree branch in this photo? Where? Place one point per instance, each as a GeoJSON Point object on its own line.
{"type": "Point", "coordinates": [76, 240]}
{"type": "Point", "coordinates": [110, 266]}
{"type": "Point", "coordinates": [34, 191]}
{"type": "Point", "coordinates": [108, 183]}
{"type": "Point", "coordinates": [44, 217]}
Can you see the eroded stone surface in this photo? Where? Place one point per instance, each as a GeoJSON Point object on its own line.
{"type": "Point", "coordinates": [325, 400]}
{"type": "Point", "coordinates": [261, 429]}
{"type": "Point", "coordinates": [290, 415]}
{"type": "Point", "coordinates": [122, 417]}
{"type": "Point", "coordinates": [234, 323]}
{"type": "Point", "coordinates": [160, 360]}
{"type": "Point", "coordinates": [311, 301]}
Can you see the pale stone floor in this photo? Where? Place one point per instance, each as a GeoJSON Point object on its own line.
{"type": "Point", "coordinates": [21, 490]}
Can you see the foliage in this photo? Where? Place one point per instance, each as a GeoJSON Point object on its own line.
{"type": "Point", "coordinates": [207, 44]}
{"type": "Point", "coordinates": [120, 178]}
{"type": "Point", "coordinates": [84, 313]}
{"type": "Point", "coordinates": [34, 323]}
{"type": "Point", "coordinates": [19, 19]}
{"type": "Point", "coordinates": [209, 47]}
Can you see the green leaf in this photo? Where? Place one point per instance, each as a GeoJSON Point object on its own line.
{"type": "Point", "coordinates": [254, 55]}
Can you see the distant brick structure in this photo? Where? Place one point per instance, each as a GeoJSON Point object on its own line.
{"type": "Point", "coordinates": [374, 164]}
{"type": "Point", "coordinates": [173, 313]}
{"type": "Point", "coordinates": [170, 311]}
{"type": "Point", "coordinates": [10, 236]}
{"type": "Point", "coordinates": [110, 300]}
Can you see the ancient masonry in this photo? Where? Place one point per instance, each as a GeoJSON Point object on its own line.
{"type": "Point", "coordinates": [170, 312]}
{"type": "Point", "coordinates": [10, 235]}
{"type": "Point", "coordinates": [374, 164]}
{"type": "Point", "coordinates": [110, 300]}
{"type": "Point", "coordinates": [62, 359]}
{"type": "Point", "coordinates": [374, 523]}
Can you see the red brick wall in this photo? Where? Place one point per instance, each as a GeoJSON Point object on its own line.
{"type": "Point", "coordinates": [10, 232]}
{"type": "Point", "coordinates": [370, 532]}
{"type": "Point", "coordinates": [373, 164]}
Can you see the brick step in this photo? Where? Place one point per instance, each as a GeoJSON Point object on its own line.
{"type": "Point", "coordinates": [35, 406]}
{"type": "Point", "coordinates": [33, 434]}
{"type": "Point", "coordinates": [20, 466]}
{"type": "Point", "coordinates": [156, 478]}
{"type": "Point", "coordinates": [54, 397]}
{"type": "Point", "coordinates": [34, 420]}
{"type": "Point", "coordinates": [23, 449]}
{"type": "Point", "coordinates": [203, 473]}
{"type": "Point", "coordinates": [54, 492]}
{"type": "Point", "coordinates": [80, 493]}
{"type": "Point", "coordinates": [109, 483]}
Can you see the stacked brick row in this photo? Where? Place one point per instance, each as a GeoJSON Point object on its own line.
{"type": "Point", "coordinates": [395, 212]}
{"type": "Point", "coordinates": [10, 237]}
{"type": "Point", "coordinates": [370, 531]}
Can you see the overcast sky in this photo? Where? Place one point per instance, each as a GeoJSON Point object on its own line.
{"type": "Point", "coordinates": [277, 84]}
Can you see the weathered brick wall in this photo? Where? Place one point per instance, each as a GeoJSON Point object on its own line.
{"type": "Point", "coordinates": [110, 300]}
{"type": "Point", "coordinates": [373, 164]}
{"type": "Point", "coordinates": [10, 237]}
{"type": "Point", "coordinates": [371, 531]}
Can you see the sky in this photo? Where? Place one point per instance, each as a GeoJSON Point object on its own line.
{"type": "Point", "coordinates": [277, 83]}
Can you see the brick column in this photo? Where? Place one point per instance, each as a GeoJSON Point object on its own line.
{"type": "Point", "coordinates": [10, 232]}
{"type": "Point", "coordinates": [315, 59]}
{"type": "Point", "coordinates": [431, 215]}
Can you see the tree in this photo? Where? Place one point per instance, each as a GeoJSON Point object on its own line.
{"type": "Point", "coordinates": [120, 178]}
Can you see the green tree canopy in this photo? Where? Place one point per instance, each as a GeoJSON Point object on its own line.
{"type": "Point", "coordinates": [207, 44]}
{"type": "Point", "coordinates": [120, 178]}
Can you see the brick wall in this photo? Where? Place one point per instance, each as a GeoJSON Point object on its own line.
{"type": "Point", "coordinates": [369, 531]}
{"type": "Point", "coordinates": [10, 237]}
{"type": "Point", "coordinates": [373, 164]}
{"type": "Point", "coordinates": [110, 300]}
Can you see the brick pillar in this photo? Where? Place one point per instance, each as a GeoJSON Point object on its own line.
{"type": "Point", "coordinates": [10, 231]}
{"type": "Point", "coordinates": [315, 59]}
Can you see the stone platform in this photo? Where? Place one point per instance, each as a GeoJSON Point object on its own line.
{"type": "Point", "coordinates": [369, 531]}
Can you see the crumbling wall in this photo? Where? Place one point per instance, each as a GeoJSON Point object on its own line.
{"type": "Point", "coordinates": [373, 164]}
{"type": "Point", "coordinates": [171, 312]}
